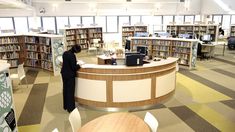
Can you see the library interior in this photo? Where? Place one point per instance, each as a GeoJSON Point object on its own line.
{"type": "Point", "coordinates": [117, 66]}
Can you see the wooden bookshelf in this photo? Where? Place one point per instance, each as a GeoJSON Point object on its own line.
{"type": "Point", "coordinates": [184, 49]}
{"type": "Point", "coordinates": [232, 30]}
{"type": "Point", "coordinates": [82, 36]}
{"type": "Point", "coordinates": [129, 31]}
{"type": "Point", "coordinates": [37, 50]}
{"type": "Point", "coordinates": [199, 30]}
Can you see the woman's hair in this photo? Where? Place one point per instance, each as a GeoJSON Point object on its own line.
{"type": "Point", "coordinates": [76, 48]}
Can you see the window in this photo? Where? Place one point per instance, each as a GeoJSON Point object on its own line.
{"type": "Point", "coordinates": [101, 22]}
{"type": "Point", "coordinates": [21, 24]}
{"type": "Point", "coordinates": [6, 23]}
{"type": "Point", "coordinates": [226, 23]}
{"type": "Point", "coordinates": [34, 22]}
{"type": "Point", "coordinates": [135, 20]}
{"type": "Point", "coordinates": [233, 19]}
{"type": "Point", "coordinates": [166, 21]}
{"type": "Point", "coordinates": [87, 21]}
{"type": "Point", "coordinates": [179, 19]}
{"type": "Point", "coordinates": [123, 20]}
{"type": "Point", "coordinates": [217, 19]}
{"type": "Point", "coordinates": [189, 19]}
{"type": "Point", "coordinates": [48, 23]}
{"type": "Point", "coordinates": [74, 21]}
{"type": "Point", "coordinates": [148, 20]}
{"type": "Point", "coordinates": [111, 23]}
{"type": "Point", "coordinates": [61, 22]}
{"type": "Point", "coordinates": [157, 23]}
{"type": "Point", "coordinates": [198, 18]}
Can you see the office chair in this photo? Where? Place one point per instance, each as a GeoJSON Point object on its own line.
{"type": "Point", "coordinates": [75, 120]}
{"type": "Point", "coordinates": [20, 74]}
{"type": "Point", "coordinates": [151, 121]}
{"type": "Point", "coordinates": [201, 53]}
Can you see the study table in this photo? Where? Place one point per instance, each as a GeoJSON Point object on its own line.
{"type": "Point", "coordinates": [121, 86]}
{"type": "Point", "coordinates": [116, 122]}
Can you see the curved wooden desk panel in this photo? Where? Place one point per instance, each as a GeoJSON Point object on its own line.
{"type": "Point", "coordinates": [121, 86]}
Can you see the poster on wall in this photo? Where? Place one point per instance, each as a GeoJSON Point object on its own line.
{"type": "Point", "coordinates": [7, 114]}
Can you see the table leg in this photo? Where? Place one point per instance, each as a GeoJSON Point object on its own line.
{"type": "Point", "coordinates": [223, 49]}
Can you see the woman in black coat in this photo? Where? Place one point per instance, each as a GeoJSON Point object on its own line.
{"type": "Point", "coordinates": [68, 72]}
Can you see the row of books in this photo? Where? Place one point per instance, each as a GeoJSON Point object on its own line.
{"type": "Point", "coordinates": [38, 40]}
{"type": "Point", "coordinates": [13, 63]}
{"type": "Point", "coordinates": [128, 34]}
{"type": "Point", "coordinates": [181, 56]}
{"type": "Point", "coordinates": [82, 41]}
{"type": "Point", "coordinates": [9, 40]}
{"type": "Point", "coordinates": [95, 30]}
{"type": "Point", "coordinates": [127, 29]}
{"type": "Point", "coordinates": [81, 36]}
{"type": "Point", "coordinates": [162, 48]}
{"type": "Point", "coordinates": [12, 55]}
{"type": "Point", "coordinates": [94, 35]}
{"type": "Point", "coordinates": [163, 43]}
{"type": "Point", "coordinates": [38, 63]}
{"type": "Point", "coordinates": [69, 38]}
{"type": "Point", "coordinates": [70, 32]}
{"type": "Point", "coordinates": [9, 48]}
{"type": "Point", "coordinates": [82, 31]}
{"type": "Point", "coordinates": [181, 50]}
{"type": "Point", "coordinates": [39, 56]}
{"type": "Point", "coordinates": [181, 44]}
{"type": "Point", "coordinates": [47, 65]}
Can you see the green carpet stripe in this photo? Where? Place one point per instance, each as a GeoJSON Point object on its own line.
{"type": "Point", "coordinates": [215, 86]}
{"type": "Point", "coordinates": [229, 103]}
{"type": "Point", "coordinates": [32, 111]}
{"type": "Point", "coordinates": [193, 120]}
{"type": "Point", "coordinates": [230, 74]}
{"type": "Point", "coordinates": [225, 61]}
{"type": "Point", "coordinates": [31, 76]}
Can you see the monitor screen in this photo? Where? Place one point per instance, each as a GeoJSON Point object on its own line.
{"type": "Point", "coordinates": [206, 37]}
{"type": "Point", "coordinates": [142, 50]}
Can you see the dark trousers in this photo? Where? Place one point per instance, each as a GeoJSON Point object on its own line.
{"type": "Point", "coordinates": [68, 93]}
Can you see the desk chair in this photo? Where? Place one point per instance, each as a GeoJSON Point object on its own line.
{"type": "Point", "coordinates": [94, 46]}
{"type": "Point", "coordinates": [202, 53]}
{"type": "Point", "coordinates": [20, 74]}
{"type": "Point", "coordinates": [75, 120]}
{"type": "Point", "coordinates": [151, 121]}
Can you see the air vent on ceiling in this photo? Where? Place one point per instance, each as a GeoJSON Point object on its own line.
{"type": "Point", "coordinates": [128, 0]}
{"type": "Point", "coordinates": [182, 0]}
{"type": "Point", "coordinates": [67, 0]}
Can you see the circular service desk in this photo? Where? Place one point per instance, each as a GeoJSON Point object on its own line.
{"type": "Point", "coordinates": [119, 86]}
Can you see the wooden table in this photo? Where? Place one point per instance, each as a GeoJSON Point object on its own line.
{"type": "Point", "coordinates": [116, 122]}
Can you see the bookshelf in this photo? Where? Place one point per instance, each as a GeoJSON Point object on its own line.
{"type": "Point", "coordinates": [11, 49]}
{"type": "Point", "coordinates": [82, 36]}
{"type": "Point", "coordinates": [129, 31]}
{"type": "Point", "coordinates": [200, 30]}
{"type": "Point", "coordinates": [232, 30]}
{"type": "Point", "coordinates": [34, 50]}
{"type": "Point", "coordinates": [184, 49]}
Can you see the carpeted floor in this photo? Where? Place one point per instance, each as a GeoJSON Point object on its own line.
{"type": "Point", "coordinates": [204, 100]}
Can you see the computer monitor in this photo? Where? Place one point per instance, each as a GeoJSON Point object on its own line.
{"type": "Point", "coordinates": [134, 59]}
{"type": "Point", "coordinates": [142, 50]}
{"type": "Point", "coordinates": [206, 38]}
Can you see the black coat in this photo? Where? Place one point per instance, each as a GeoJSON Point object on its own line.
{"type": "Point", "coordinates": [69, 67]}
